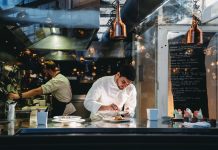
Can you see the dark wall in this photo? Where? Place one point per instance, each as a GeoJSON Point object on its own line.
{"type": "Point", "coordinates": [104, 67]}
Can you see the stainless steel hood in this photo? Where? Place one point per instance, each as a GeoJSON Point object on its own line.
{"type": "Point", "coordinates": [72, 21]}
{"type": "Point", "coordinates": [6, 57]}
{"type": "Point", "coordinates": [60, 42]}
{"type": "Point", "coordinates": [69, 16]}
{"type": "Point", "coordinates": [59, 56]}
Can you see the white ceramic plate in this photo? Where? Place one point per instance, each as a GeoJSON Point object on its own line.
{"type": "Point", "coordinates": [111, 119]}
{"type": "Point", "coordinates": [67, 117]}
{"type": "Point", "coordinates": [68, 121]}
{"type": "Point", "coordinates": [111, 113]}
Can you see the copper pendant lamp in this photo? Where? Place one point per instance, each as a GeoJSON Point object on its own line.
{"type": "Point", "coordinates": [194, 34]}
{"type": "Point", "coordinates": [118, 28]}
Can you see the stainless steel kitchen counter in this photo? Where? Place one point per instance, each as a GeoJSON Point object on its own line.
{"type": "Point", "coordinates": [28, 127]}
{"type": "Point", "coordinates": [105, 135]}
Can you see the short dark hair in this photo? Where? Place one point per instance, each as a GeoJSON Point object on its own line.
{"type": "Point", "coordinates": [50, 65]}
{"type": "Point", "coordinates": [128, 71]}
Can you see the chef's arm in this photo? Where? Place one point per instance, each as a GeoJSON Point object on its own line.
{"type": "Point", "coordinates": [28, 94]}
{"type": "Point", "coordinates": [130, 104]}
{"type": "Point", "coordinates": [108, 107]}
{"type": "Point", "coordinates": [91, 102]}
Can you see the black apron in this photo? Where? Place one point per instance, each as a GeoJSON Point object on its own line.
{"type": "Point", "coordinates": [58, 107]}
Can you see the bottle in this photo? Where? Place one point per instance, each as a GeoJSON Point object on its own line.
{"type": "Point", "coordinates": [118, 29]}
{"type": "Point", "coordinates": [11, 110]}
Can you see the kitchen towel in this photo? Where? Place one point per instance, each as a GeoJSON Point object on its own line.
{"type": "Point", "coordinates": [197, 125]}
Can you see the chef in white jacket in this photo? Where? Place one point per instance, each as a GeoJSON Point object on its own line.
{"type": "Point", "coordinates": [113, 93]}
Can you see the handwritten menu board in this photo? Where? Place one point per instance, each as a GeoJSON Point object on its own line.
{"type": "Point", "coordinates": [188, 76]}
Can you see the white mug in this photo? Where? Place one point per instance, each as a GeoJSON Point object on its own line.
{"type": "Point", "coordinates": [152, 123]}
{"type": "Point", "coordinates": [152, 113]}
{"type": "Point", "coordinates": [42, 102]}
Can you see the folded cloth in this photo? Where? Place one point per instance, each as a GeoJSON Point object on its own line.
{"type": "Point", "coordinates": [197, 125]}
{"type": "Point", "coordinates": [96, 117]}
{"type": "Point", "coordinates": [69, 109]}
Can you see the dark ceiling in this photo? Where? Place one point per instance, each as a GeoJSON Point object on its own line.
{"type": "Point", "coordinates": [29, 23]}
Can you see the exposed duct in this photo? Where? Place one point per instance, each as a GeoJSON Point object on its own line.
{"type": "Point", "coordinates": [133, 12]}
{"type": "Point", "coordinates": [58, 18]}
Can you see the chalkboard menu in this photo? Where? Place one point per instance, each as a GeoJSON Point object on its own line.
{"type": "Point", "coordinates": [188, 75]}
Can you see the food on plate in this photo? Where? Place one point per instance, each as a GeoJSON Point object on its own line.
{"type": "Point", "coordinates": [118, 118]}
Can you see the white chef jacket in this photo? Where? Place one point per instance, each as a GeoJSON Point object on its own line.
{"type": "Point", "coordinates": [105, 92]}
{"type": "Point", "coordinates": [59, 87]}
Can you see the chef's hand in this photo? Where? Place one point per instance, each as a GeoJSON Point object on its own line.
{"type": "Point", "coordinates": [13, 96]}
{"type": "Point", "coordinates": [126, 113]}
{"type": "Point", "coordinates": [112, 107]}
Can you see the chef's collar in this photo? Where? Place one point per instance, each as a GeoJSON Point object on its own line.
{"type": "Point", "coordinates": [115, 83]}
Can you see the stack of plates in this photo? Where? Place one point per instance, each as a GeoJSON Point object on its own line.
{"type": "Point", "coordinates": [68, 119]}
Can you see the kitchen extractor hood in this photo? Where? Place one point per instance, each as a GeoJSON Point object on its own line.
{"type": "Point", "coordinates": [6, 57]}
{"type": "Point", "coordinates": [78, 29]}
{"type": "Point", "coordinates": [59, 56]}
{"type": "Point", "coordinates": [61, 42]}
{"type": "Point", "coordinates": [78, 21]}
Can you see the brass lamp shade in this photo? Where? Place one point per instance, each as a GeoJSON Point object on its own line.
{"type": "Point", "coordinates": [194, 34]}
{"type": "Point", "coordinates": [118, 28]}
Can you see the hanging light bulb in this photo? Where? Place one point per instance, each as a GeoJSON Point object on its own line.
{"type": "Point", "coordinates": [194, 34]}
{"type": "Point", "coordinates": [118, 29]}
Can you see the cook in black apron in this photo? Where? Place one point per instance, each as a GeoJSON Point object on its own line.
{"type": "Point", "coordinates": [58, 107]}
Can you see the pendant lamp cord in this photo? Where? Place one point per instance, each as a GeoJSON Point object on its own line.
{"type": "Point", "coordinates": [138, 11]}
{"type": "Point", "coordinates": [216, 78]}
{"type": "Point", "coordinates": [196, 8]}
{"type": "Point", "coordinates": [113, 4]}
